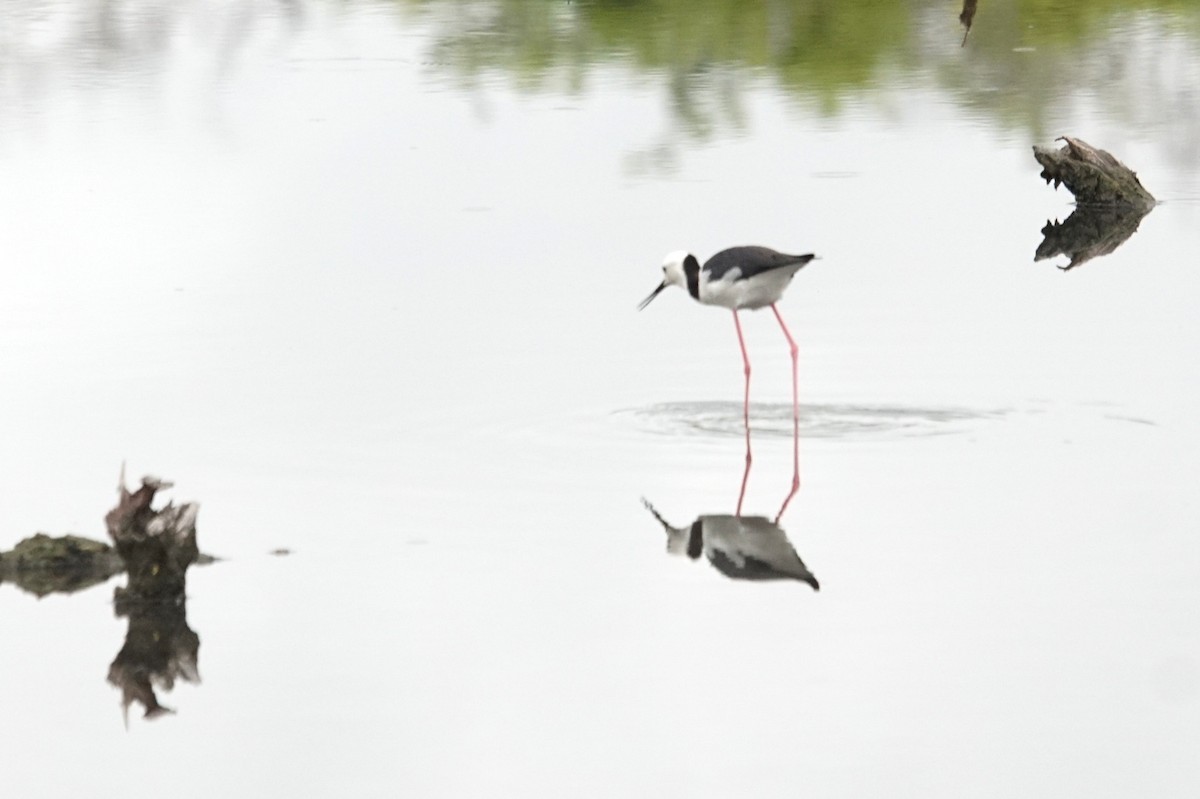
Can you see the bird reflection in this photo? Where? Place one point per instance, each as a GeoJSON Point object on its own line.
{"type": "Point", "coordinates": [740, 547]}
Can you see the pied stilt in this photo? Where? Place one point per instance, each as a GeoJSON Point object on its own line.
{"type": "Point", "coordinates": [740, 279]}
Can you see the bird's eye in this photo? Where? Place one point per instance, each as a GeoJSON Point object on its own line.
{"type": "Point", "coordinates": [664, 270]}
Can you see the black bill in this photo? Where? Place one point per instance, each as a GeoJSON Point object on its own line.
{"type": "Point", "coordinates": [653, 294]}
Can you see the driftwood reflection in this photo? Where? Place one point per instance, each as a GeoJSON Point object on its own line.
{"type": "Point", "coordinates": [1089, 232]}
{"type": "Point", "coordinates": [966, 17]}
{"type": "Point", "coordinates": [159, 649]}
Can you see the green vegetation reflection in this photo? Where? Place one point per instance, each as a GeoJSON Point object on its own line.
{"type": "Point", "coordinates": [1019, 59]}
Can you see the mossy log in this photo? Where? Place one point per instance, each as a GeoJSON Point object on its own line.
{"type": "Point", "coordinates": [44, 564]}
{"type": "Point", "coordinates": [1094, 176]}
{"type": "Point", "coordinates": [156, 545]}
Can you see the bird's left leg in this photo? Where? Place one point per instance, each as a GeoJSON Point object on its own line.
{"type": "Point", "coordinates": [794, 350]}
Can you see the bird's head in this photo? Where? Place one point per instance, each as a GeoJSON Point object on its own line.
{"type": "Point", "coordinates": [673, 273]}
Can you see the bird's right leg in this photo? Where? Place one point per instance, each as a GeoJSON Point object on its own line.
{"type": "Point", "coordinates": [746, 370]}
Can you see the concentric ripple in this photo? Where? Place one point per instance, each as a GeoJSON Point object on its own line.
{"type": "Point", "coordinates": [851, 422]}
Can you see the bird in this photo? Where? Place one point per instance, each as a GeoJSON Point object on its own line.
{"type": "Point", "coordinates": [741, 279]}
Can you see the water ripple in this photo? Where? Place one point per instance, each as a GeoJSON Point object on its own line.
{"type": "Point", "coordinates": [837, 421]}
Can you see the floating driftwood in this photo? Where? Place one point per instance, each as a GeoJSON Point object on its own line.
{"type": "Point", "coordinates": [1110, 202]}
{"type": "Point", "coordinates": [159, 649]}
{"type": "Point", "coordinates": [44, 564]}
{"type": "Point", "coordinates": [156, 545]}
{"type": "Point", "coordinates": [1094, 176]}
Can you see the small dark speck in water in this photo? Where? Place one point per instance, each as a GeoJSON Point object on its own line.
{"type": "Point", "coordinates": [280, 551]}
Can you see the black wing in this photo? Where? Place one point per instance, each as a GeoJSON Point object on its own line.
{"type": "Point", "coordinates": [751, 261]}
{"type": "Point", "coordinates": [752, 568]}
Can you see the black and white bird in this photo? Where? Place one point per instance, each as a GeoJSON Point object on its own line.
{"type": "Point", "coordinates": [740, 279]}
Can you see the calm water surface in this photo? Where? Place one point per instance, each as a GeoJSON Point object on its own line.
{"type": "Point", "coordinates": [361, 279]}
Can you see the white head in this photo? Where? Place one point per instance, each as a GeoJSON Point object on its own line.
{"type": "Point", "coordinates": [687, 540]}
{"type": "Point", "coordinates": [673, 273]}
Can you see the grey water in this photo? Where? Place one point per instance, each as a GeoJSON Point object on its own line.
{"type": "Point", "coordinates": [361, 279]}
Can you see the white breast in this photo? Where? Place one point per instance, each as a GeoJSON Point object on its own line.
{"type": "Point", "coordinates": [758, 292]}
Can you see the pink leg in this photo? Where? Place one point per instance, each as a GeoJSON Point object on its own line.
{"type": "Point", "coordinates": [794, 350]}
{"type": "Point", "coordinates": [795, 469]}
{"type": "Point", "coordinates": [795, 482]}
{"type": "Point", "coordinates": [746, 368]}
{"type": "Point", "coordinates": [745, 479]}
